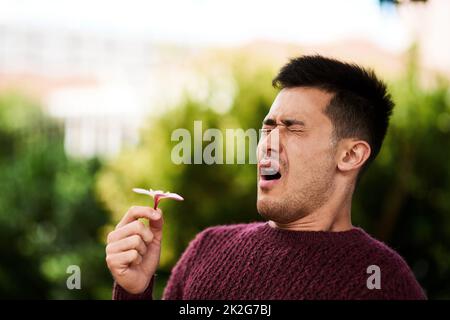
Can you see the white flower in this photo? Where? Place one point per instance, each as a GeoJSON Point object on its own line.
{"type": "Point", "coordinates": [157, 195]}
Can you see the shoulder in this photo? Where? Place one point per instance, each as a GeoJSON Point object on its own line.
{"type": "Point", "coordinates": [215, 235]}
{"type": "Point", "coordinates": [231, 229]}
{"type": "Point", "coordinates": [211, 238]}
{"type": "Point", "coordinates": [380, 252]}
{"type": "Point", "coordinates": [224, 232]}
{"type": "Point", "coordinates": [398, 280]}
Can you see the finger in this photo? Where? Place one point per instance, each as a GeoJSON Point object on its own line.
{"type": "Point", "coordinates": [135, 227]}
{"type": "Point", "coordinates": [123, 259]}
{"type": "Point", "coordinates": [156, 224]}
{"type": "Point", "coordinates": [137, 212]}
{"type": "Point", "coordinates": [131, 242]}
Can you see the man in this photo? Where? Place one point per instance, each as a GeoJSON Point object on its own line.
{"type": "Point", "coordinates": [330, 119]}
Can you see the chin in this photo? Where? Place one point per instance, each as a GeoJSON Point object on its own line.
{"type": "Point", "coordinates": [270, 209]}
{"type": "Point", "coordinates": [276, 209]}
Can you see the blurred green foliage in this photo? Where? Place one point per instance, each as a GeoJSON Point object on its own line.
{"type": "Point", "coordinates": [52, 207]}
{"type": "Point", "coordinates": [404, 197]}
{"type": "Point", "coordinates": [49, 216]}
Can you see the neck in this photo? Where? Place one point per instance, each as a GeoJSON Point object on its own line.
{"type": "Point", "coordinates": [334, 215]}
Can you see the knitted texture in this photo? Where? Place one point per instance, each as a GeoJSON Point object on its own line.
{"type": "Point", "coordinates": [256, 261]}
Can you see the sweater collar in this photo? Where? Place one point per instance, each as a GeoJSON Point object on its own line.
{"type": "Point", "coordinates": [278, 234]}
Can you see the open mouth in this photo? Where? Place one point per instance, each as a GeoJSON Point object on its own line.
{"type": "Point", "coordinates": [270, 174]}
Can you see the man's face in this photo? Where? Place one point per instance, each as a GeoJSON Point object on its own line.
{"type": "Point", "coordinates": [303, 158]}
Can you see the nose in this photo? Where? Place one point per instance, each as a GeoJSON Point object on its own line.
{"type": "Point", "coordinates": [270, 143]}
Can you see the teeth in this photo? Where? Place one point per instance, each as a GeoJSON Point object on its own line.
{"type": "Point", "coordinates": [268, 171]}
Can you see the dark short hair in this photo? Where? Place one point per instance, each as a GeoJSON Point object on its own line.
{"type": "Point", "coordinates": [361, 105]}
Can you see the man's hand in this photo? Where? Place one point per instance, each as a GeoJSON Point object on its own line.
{"type": "Point", "coordinates": [133, 249]}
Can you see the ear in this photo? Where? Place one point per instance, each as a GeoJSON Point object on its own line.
{"type": "Point", "coordinates": [352, 154]}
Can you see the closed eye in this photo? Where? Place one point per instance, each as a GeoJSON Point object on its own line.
{"type": "Point", "coordinates": [294, 129]}
{"type": "Point", "coordinates": [291, 125]}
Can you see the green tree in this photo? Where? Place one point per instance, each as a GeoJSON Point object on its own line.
{"type": "Point", "coordinates": [411, 180]}
{"type": "Point", "coordinates": [49, 217]}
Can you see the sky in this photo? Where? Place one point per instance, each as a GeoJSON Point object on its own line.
{"type": "Point", "coordinates": [208, 22]}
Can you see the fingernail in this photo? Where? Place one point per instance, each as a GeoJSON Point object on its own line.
{"type": "Point", "coordinates": [155, 214]}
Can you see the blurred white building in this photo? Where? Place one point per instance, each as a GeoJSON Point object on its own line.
{"type": "Point", "coordinates": [98, 86]}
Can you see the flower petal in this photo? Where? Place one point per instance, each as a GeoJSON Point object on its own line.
{"type": "Point", "coordinates": [142, 191]}
{"type": "Point", "coordinates": [158, 195]}
{"type": "Point", "coordinates": [174, 196]}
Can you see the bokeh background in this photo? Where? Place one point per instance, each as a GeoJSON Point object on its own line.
{"type": "Point", "coordinates": [90, 92]}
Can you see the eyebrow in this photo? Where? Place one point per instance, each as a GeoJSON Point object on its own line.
{"type": "Point", "coordinates": [286, 122]}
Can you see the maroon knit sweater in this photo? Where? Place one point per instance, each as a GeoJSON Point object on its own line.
{"type": "Point", "coordinates": [256, 261]}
